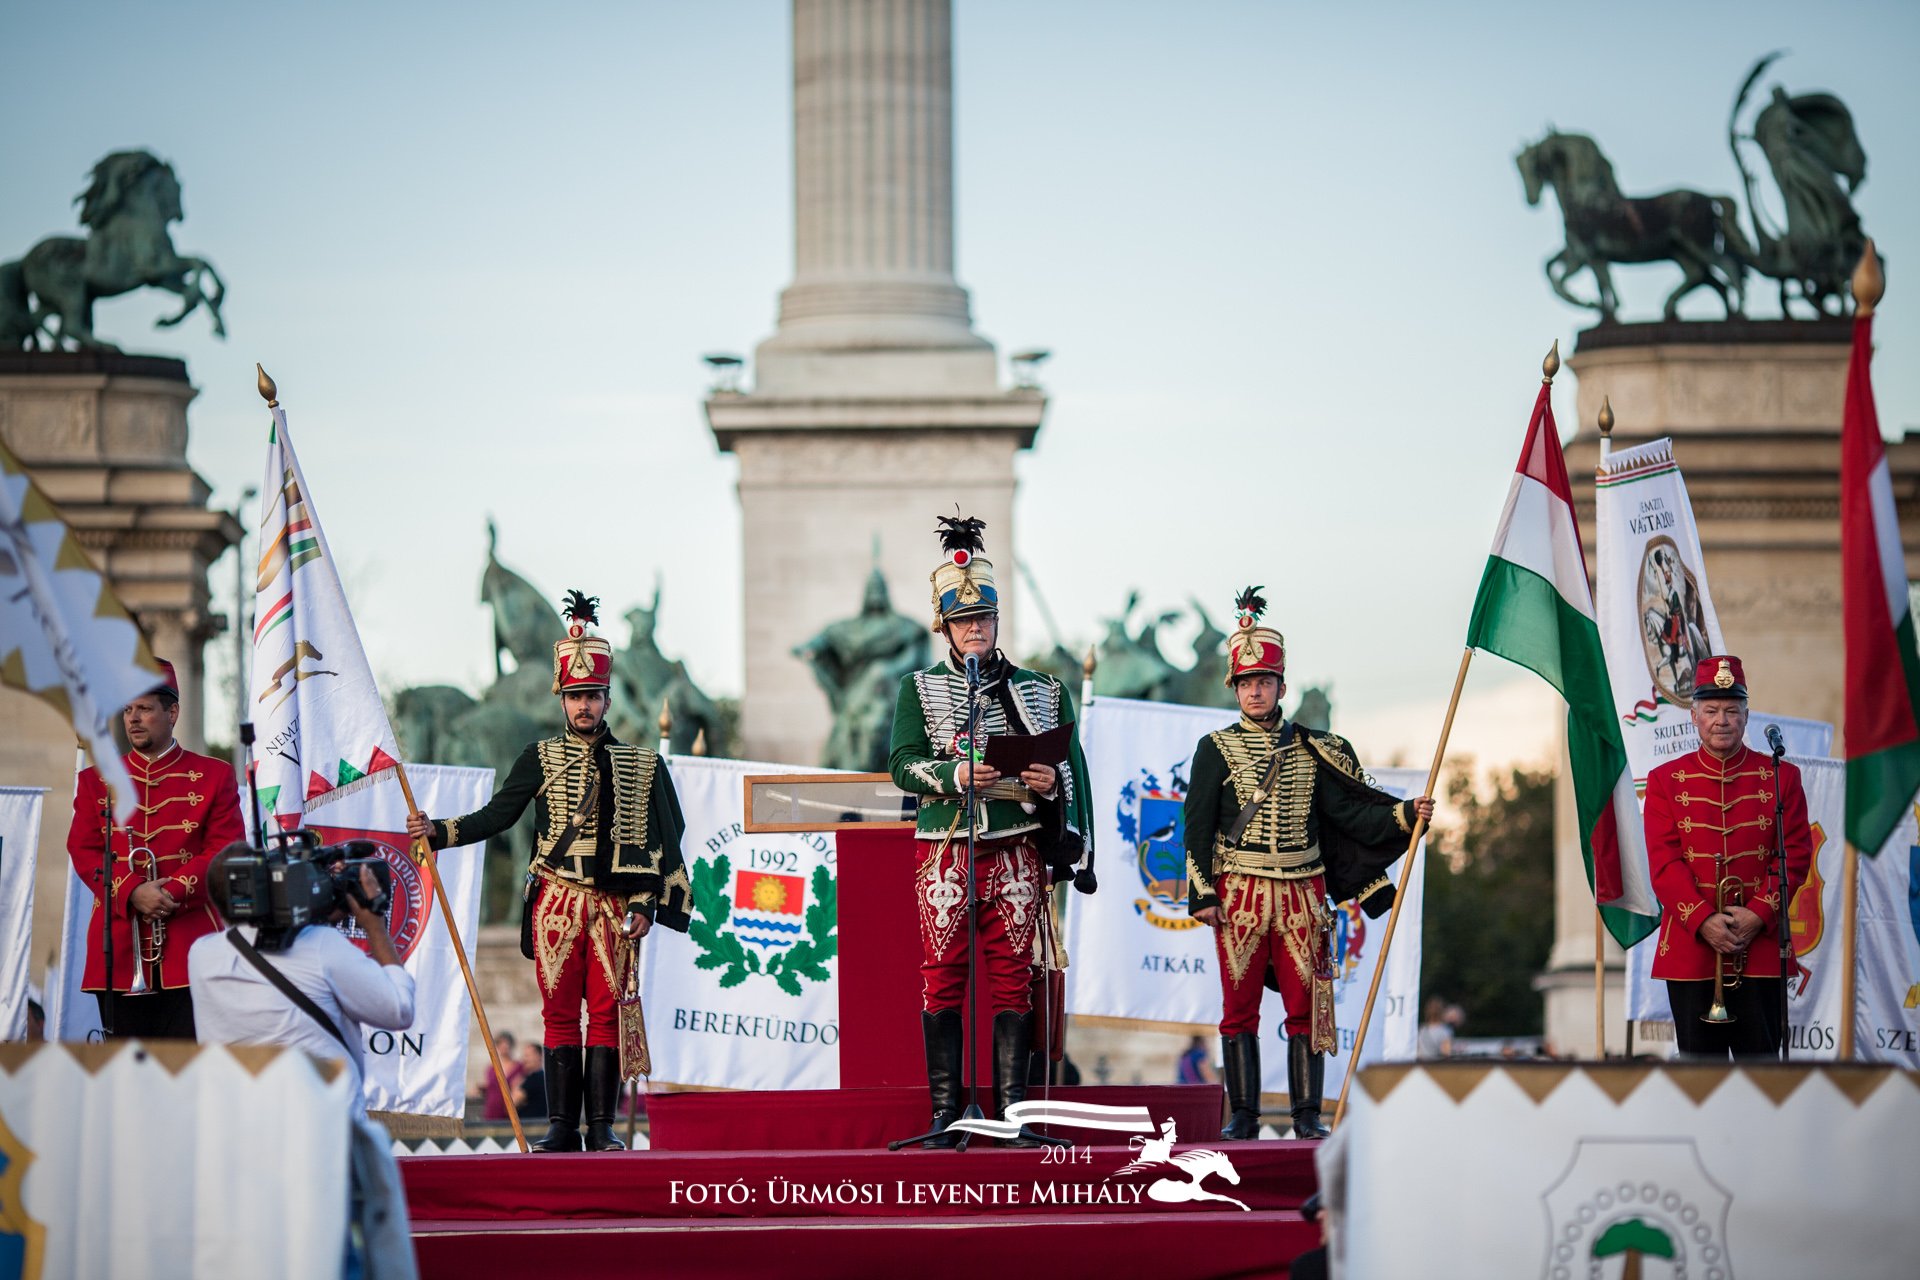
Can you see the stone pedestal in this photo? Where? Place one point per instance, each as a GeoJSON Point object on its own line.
{"type": "Point", "coordinates": [105, 435]}
{"type": "Point", "coordinates": [1754, 410]}
{"type": "Point", "coordinates": [875, 406]}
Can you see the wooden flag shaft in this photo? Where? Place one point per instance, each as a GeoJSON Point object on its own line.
{"type": "Point", "coordinates": [424, 854]}
{"type": "Point", "coordinates": [1849, 898]}
{"type": "Point", "coordinates": [1400, 892]}
{"type": "Point", "coordinates": [1599, 983]}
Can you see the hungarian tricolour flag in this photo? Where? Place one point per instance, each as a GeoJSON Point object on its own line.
{"type": "Point", "coordinates": [1535, 608]}
{"type": "Point", "coordinates": [320, 725]}
{"type": "Point", "coordinates": [1883, 668]}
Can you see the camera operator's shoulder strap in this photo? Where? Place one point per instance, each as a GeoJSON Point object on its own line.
{"type": "Point", "coordinates": [286, 987]}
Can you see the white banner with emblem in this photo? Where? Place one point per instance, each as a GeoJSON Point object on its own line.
{"type": "Point", "coordinates": [749, 997]}
{"type": "Point", "coordinates": [1887, 939]}
{"type": "Point", "coordinates": [1136, 955]}
{"type": "Point", "coordinates": [20, 809]}
{"type": "Point", "coordinates": [1624, 1169]}
{"type": "Point", "coordinates": [420, 1071]}
{"type": "Point", "coordinates": [141, 1162]}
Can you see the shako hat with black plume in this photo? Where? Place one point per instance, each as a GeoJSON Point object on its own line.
{"type": "Point", "coordinates": [1253, 648]}
{"type": "Point", "coordinates": [581, 661]}
{"type": "Point", "coordinates": [963, 583]}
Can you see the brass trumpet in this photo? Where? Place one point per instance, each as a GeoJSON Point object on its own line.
{"type": "Point", "coordinates": [149, 937]}
{"type": "Point", "coordinates": [1728, 891]}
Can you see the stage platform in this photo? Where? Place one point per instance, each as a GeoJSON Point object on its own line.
{"type": "Point", "coordinates": [1207, 1209]}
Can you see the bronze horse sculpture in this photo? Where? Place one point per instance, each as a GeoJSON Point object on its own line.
{"type": "Point", "coordinates": [132, 198]}
{"type": "Point", "coordinates": [1701, 233]}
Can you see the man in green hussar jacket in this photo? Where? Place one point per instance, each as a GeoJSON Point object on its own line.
{"type": "Point", "coordinates": [1029, 831]}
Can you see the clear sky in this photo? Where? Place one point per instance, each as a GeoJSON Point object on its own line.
{"type": "Point", "coordinates": [1280, 252]}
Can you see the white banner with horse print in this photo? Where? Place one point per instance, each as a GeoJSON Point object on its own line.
{"type": "Point", "coordinates": [1135, 954]}
{"type": "Point", "coordinates": [748, 997]}
{"type": "Point", "coordinates": [1886, 1014]}
{"type": "Point", "coordinates": [1622, 1169]}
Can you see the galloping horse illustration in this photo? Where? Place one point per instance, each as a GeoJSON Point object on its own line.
{"type": "Point", "coordinates": [1196, 1165]}
{"type": "Point", "coordinates": [132, 198]}
{"type": "Point", "coordinates": [1699, 232]}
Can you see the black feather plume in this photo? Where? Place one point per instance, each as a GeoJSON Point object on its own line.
{"type": "Point", "coordinates": [582, 608]}
{"type": "Point", "coordinates": [1250, 603]}
{"type": "Point", "coordinates": [960, 533]}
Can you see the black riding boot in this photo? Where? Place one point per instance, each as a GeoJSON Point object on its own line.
{"type": "Point", "coordinates": [1242, 1052]}
{"type": "Point", "coordinates": [942, 1032]}
{"type": "Point", "coordinates": [563, 1100]}
{"type": "Point", "coordinates": [1306, 1070]}
{"type": "Point", "coordinates": [1012, 1047]}
{"type": "Point", "coordinates": [603, 1097]}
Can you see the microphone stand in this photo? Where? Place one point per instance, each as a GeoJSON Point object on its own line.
{"type": "Point", "coordinates": [104, 877]}
{"type": "Point", "coordinates": [1785, 920]}
{"type": "Point", "coordinates": [968, 1055]}
{"type": "Point", "coordinates": [969, 1066]}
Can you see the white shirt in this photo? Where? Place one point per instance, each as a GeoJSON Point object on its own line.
{"type": "Point", "coordinates": [233, 1003]}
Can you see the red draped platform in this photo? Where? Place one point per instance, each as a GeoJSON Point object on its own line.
{"type": "Point", "coordinates": [797, 1184]}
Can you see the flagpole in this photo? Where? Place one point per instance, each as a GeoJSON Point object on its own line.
{"type": "Point", "coordinates": [1849, 898]}
{"type": "Point", "coordinates": [1400, 893]}
{"type": "Point", "coordinates": [423, 854]}
{"type": "Point", "coordinates": [1605, 423]}
{"type": "Point", "coordinates": [1869, 286]}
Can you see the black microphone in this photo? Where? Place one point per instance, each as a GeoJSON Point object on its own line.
{"type": "Point", "coordinates": [1773, 740]}
{"type": "Point", "coordinates": [973, 669]}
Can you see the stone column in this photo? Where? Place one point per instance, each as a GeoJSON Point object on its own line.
{"type": "Point", "coordinates": [875, 407]}
{"type": "Point", "coordinates": [873, 177]}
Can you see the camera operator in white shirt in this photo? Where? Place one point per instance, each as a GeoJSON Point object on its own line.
{"type": "Point", "coordinates": [234, 1003]}
{"type": "Point", "coordinates": [351, 988]}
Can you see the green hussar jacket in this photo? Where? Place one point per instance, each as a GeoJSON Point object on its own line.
{"type": "Point", "coordinates": [1319, 814]}
{"type": "Point", "coordinates": [629, 842]}
{"type": "Point", "coordinates": [927, 723]}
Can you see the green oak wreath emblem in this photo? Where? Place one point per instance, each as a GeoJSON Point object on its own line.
{"type": "Point", "coordinates": [720, 948]}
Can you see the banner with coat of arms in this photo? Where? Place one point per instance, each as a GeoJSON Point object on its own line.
{"type": "Point", "coordinates": [1887, 942]}
{"type": "Point", "coordinates": [1137, 957]}
{"type": "Point", "coordinates": [748, 997]}
{"type": "Point", "coordinates": [422, 1070]}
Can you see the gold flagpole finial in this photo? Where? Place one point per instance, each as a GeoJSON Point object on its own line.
{"type": "Point", "coordinates": [268, 391]}
{"type": "Point", "coordinates": [1869, 282]}
{"type": "Point", "coordinates": [1551, 365]}
{"type": "Point", "coordinates": [1088, 666]}
{"type": "Point", "coordinates": [1606, 416]}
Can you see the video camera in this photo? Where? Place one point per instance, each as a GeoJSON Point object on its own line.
{"type": "Point", "coordinates": [297, 881]}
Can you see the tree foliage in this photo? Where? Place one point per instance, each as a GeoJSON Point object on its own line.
{"type": "Point", "coordinates": [1489, 901]}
